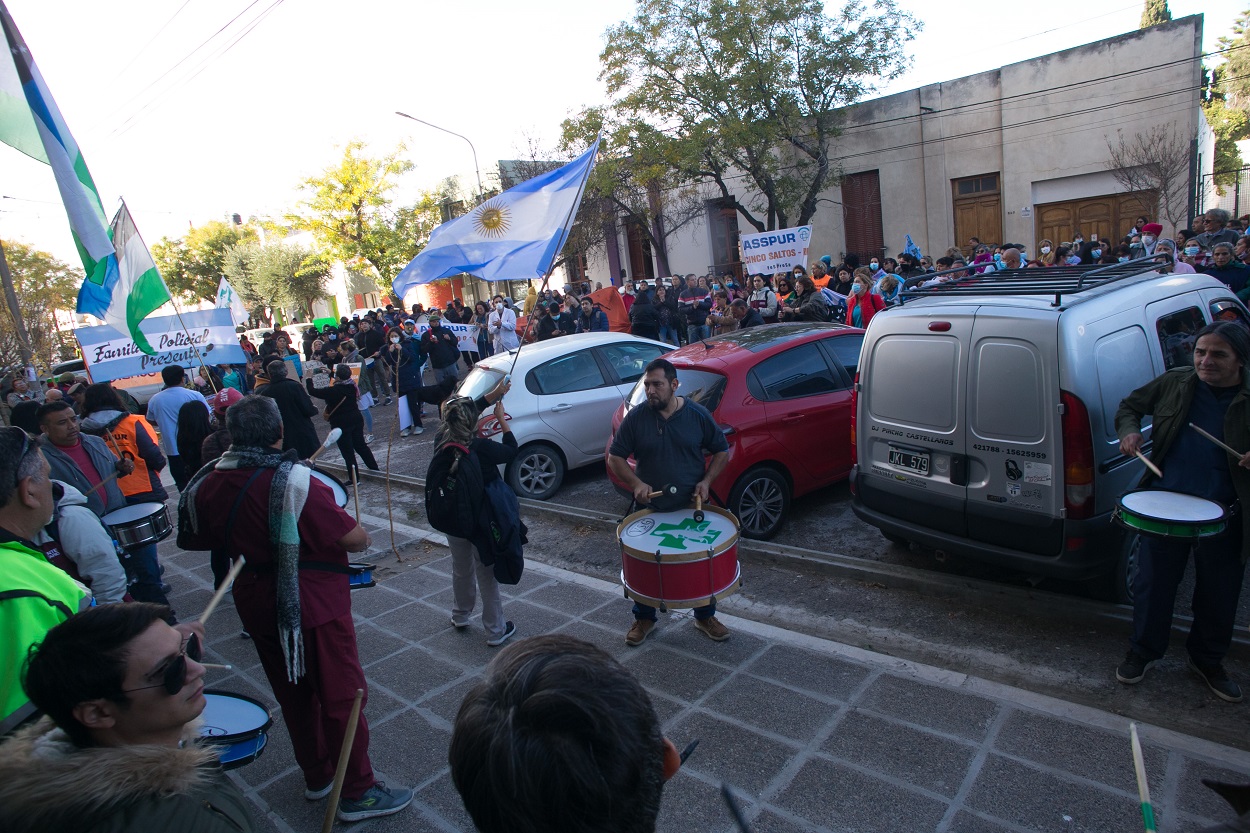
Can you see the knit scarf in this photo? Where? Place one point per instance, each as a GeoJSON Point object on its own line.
{"type": "Point", "coordinates": [287, 493]}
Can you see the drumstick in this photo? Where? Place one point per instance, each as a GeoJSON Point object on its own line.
{"type": "Point", "coordinates": [1227, 448]}
{"type": "Point", "coordinates": [331, 439]}
{"type": "Point", "coordinates": [1143, 788]}
{"type": "Point", "coordinates": [221, 591]}
{"type": "Point", "coordinates": [734, 809]}
{"type": "Point", "coordinates": [356, 492]}
{"type": "Point", "coordinates": [116, 448]}
{"type": "Point", "coordinates": [97, 487]}
{"type": "Point", "coordinates": [698, 508]}
{"type": "Point", "coordinates": [667, 490]}
{"type": "Point", "coordinates": [1153, 468]}
{"type": "Point", "coordinates": [690, 747]}
{"type": "Point", "coordinates": [340, 772]}
{"type": "Point", "coordinates": [219, 666]}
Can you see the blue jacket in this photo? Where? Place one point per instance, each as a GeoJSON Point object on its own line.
{"type": "Point", "coordinates": [102, 500]}
{"type": "Point", "coordinates": [596, 322]}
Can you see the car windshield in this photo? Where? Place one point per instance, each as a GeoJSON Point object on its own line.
{"type": "Point", "coordinates": [479, 381]}
{"type": "Point", "coordinates": [699, 386]}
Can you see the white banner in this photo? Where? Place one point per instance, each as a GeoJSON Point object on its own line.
{"type": "Point", "coordinates": [209, 335]}
{"type": "Point", "coordinates": [775, 251]}
{"type": "Point", "coordinates": [466, 334]}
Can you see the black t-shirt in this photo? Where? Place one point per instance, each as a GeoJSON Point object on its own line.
{"type": "Point", "coordinates": [669, 452]}
{"type": "Point", "coordinates": [1194, 465]}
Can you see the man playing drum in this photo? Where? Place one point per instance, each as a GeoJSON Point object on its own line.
{"type": "Point", "coordinates": [293, 596]}
{"type": "Point", "coordinates": [668, 441]}
{"type": "Point", "coordinates": [1214, 395]}
{"type": "Point", "coordinates": [117, 752]}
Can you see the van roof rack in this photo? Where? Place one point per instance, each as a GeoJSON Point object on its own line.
{"type": "Point", "coordinates": [1050, 280]}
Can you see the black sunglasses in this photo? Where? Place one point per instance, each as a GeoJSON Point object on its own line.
{"type": "Point", "coordinates": [175, 674]}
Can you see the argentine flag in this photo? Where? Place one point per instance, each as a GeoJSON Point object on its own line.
{"type": "Point", "coordinates": [514, 236]}
{"type": "Point", "coordinates": [31, 122]}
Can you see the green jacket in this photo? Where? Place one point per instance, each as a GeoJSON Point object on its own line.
{"type": "Point", "coordinates": [35, 596]}
{"type": "Point", "coordinates": [1167, 398]}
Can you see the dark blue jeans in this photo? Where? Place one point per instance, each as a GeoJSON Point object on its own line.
{"type": "Point", "coordinates": [1217, 587]}
{"type": "Point", "coordinates": [642, 611]}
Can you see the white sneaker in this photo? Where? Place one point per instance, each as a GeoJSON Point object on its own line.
{"type": "Point", "coordinates": [417, 429]}
{"type": "Point", "coordinates": [404, 432]}
{"type": "Point", "coordinates": [368, 438]}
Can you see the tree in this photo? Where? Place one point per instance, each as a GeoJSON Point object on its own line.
{"type": "Point", "coordinates": [349, 211]}
{"type": "Point", "coordinates": [42, 285]}
{"type": "Point", "coordinates": [1154, 13]}
{"type": "Point", "coordinates": [1155, 164]}
{"type": "Point", "coordinates": [1227, 102]}
{"type": "Point", "coordinates": [277, 275]}
{"type": "Point", "coordinates": [750, 87]}
{"type": "Point", "coordinates": [193, 266]}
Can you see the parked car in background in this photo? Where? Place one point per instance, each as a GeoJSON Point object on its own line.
{"type": "Point", "coordinates": [561, 402]}
{"type": "Point", "coordinates": [782, 395]}
{"type": "Point", "coordinates": [138, 388]}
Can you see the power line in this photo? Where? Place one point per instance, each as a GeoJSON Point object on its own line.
{"type": "Point", "coordinates": [151, 40]}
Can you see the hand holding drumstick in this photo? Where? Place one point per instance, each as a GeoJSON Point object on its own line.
{"type": "Point", "coordinates": [1131, 444]}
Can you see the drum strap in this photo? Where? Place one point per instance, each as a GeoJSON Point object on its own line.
{"type": "Point", "coordinates": [234, 510]}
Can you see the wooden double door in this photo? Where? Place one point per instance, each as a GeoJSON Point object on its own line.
{"type": "Point", "coordinates": [1110, 216]}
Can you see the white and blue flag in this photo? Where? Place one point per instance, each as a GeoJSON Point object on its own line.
{"type": "Point", "coordinates": [513, 236]}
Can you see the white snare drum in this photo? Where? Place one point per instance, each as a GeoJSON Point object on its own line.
{"type": "Point", "coordinates": [142, 523]}
{"type": "Point", "coordinates": [1165, 514]}
{"type": "Point", "coordinates": [336, 486]}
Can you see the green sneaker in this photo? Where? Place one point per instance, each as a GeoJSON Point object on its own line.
{"type": "Point", "coordinates": [380, 800]}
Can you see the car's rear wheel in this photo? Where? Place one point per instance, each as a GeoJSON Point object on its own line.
{"type": "Point", "coordinates": [537, 471]}
{"type": "Point", "coordinates": [760, 499]}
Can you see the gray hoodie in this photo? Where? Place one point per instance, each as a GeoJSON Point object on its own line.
{"type": "Point", "coordinates": [84, 540]}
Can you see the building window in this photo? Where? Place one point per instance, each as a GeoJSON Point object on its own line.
{"type": "Point", "coordinates": [861, 209]}
{"type": "Point", "coordinates": [986, 184]}
{"type": "Point", "coordinates": [641, 262]}
{"type": "Point", "coordinates": [722, 223]}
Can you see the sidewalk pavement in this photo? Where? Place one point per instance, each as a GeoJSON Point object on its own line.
{"type": "Point", "coordinates": [812, 735]}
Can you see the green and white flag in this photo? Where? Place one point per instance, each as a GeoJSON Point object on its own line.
{"type": "Point", "coordinates": [31, 122]}
{"type": "Point", "coordinates": [227, 298]}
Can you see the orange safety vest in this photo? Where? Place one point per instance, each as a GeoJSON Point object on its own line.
{"type": "Point", "coordinates": [137, 482]}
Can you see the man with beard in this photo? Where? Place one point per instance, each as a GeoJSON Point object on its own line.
{"type": "Point", "coordinates": [668, 441]}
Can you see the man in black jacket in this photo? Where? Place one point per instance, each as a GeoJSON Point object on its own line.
{"type": "Point", "coordinates": [745, 315]}
{"type": "Point", "coordinates": [297, 410]}
{"type": "Point", "coordinates": [443, 348]}
{"type": "Point", "coordinates": [371, 340]}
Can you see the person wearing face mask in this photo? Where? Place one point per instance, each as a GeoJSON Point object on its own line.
{"type": "Point", "coordinates": [1149, 240]}
{"type": "Point", "coordinates": [1046, 253]}
{"type": "Point", "coordinates": [875, 265]}
{"type": "Point", "coordinates": [501, 326]}
{"type": "Point", "coordinates": [863, 303]}
{"type": "Point", "coordinates": [1167, 246]}
{"type": "Point", "coordinates": [1194, 254]}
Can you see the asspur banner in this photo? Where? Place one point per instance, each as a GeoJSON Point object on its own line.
{"type": "Point", "coordinates": [113, 355]}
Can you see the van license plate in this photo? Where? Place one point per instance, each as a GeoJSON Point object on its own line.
{"type": "Point", "coordinates": [917, 461]}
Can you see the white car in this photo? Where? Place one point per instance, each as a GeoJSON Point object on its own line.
{"type": "Point", "coordinates": [560, 407]}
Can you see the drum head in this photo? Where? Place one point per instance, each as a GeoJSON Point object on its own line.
{"type": "Point", "coordinates": [340, 491]}
{"type": "Point", "coordinates": [231, 717]}
{"type": "Point", "coordinates": [130, 514]}
{"type": "Point", "coordinates": [677, 532]}
{"type": "Point", "coordinates": [1157, 504]}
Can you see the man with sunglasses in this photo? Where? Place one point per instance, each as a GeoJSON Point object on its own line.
{"type": "Point", "coordinates": [117, 750]}
{"type": "Point", "coordinates": [34, 595]}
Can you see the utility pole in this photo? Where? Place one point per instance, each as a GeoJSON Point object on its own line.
{"type": "Point", "coordinates": [10, 297]}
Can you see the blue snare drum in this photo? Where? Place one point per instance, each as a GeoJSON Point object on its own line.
{"type": "Point", "coordinates": [361, 575]}
{"type": "Point", "coordinates": [236, 725]}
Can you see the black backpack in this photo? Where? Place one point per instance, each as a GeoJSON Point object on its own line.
{"type": "Point", "coordinates": [454, 493]}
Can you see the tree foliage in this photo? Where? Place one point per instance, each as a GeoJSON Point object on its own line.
{"type": "Point", "coordinates": [277, 275]}
{"type": "Point", "coordinates": [1154, 163]}
{"type": "Point", "coordinates": [1227, 104]}
{"type": "Point", "coordinates": [43, 285]}
{"type": "Point", "coordinates": [349, 210]}
{"type": "Point", "coordinates": [193, 266]}
{"type": "Point", "coordinates": [1155, 12]}
{"type": "Point", "coordinates": [718, 87]}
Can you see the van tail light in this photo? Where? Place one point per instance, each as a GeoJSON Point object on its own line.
{"type": "Point", "coordinates": [854, 408]}
{"type": "Point", "coordinates": [1078, 457]}
{"type": "Point", "coordinates": [490, 427]}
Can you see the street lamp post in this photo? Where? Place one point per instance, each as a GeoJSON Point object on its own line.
{"type": "Point", "coordinates": [476, 170]}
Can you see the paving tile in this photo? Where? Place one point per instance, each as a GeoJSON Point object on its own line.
{"type": "Point", "coordinates": [275, 760]}
{"type": "Point", "coordinates": [1102, 756]}
{"type": "Point", "coordinates": [1040, 801]}
{"type": "Point", "coordinates": [373, 644]}
{"type": "Point", "coordinates": [770, 822]}
{"type": "Point", "coordinates": [441, 797]}
{"type": "Point", "coordinates": [465, 647]}
{"type": "Point", "coordinates": [728, 752]}
{"type": "Point", "coordinates": [408, 748]}
{"type": "Point", "coordinates": [532, 620]}
{"type": "Point", "coordinates": [668, 710]}
{"type": "Point", "coordinates": [415, 621]}
{"type": "Point", "coordinates": [415, 581]}
{"type": "Point", "coordinates": [447, 703]}
{"type": "Point", "coordinates": [926, 760]}
{"type": "Point", "coordinates": [683, 635]}
{"type": "Point", "coordinates": [234, 650]}
{"type": "Point", "coordinates": [617, 615]}
{"type": "Point", "coordinates": [809, 671]}
{"type": "Point", "coordinates": [610, 641]}
{"type": "Point", "coordinates": [689, 804]}
{"type": "Point", "coordinates": [412, 672]}
{"type": "Point", "coordinates": [965, 822]}
{"type": "Point", "coordinates": [937, 707]}
{"type": "Point", "coordinates": [768, 706]}
{"type": "Point", "coordinates": [285, 798]}
{"type": "Point", "coordinates": [368, 602]}
{"type": "Point", "coordinates": [673, 673]}
{"type": "Point", "coordinates": [572, 599]}
{"type": "Point", "coordinates": [840, 798]}
{"type": "Point", "coordinates": [1200, 800]}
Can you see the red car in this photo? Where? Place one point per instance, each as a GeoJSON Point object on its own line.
{"type": "Point", "coordinates": [782, 394]}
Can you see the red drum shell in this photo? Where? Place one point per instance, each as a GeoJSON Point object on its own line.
{"type": "Point", "coordinates": [680, 580]}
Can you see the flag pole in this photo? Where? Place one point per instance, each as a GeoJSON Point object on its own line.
{"type": "Point", "coordinates": [566, 229]}
{"type": "Point", "coordinates": [178, 312]}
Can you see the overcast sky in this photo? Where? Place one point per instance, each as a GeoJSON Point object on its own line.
{"type": "Point", "coordinates": [188, 136]}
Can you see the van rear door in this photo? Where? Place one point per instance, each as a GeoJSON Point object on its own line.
{"type": "Point", "coordinates": [911, 437]}
{"type": "Point", "coordinates": [1015, 478]}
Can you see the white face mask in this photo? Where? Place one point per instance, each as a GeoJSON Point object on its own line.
{"type": "Point", "coordinates": [1147, 239]}
{"type": "Point", "coordinates": [394, 339]}
{"type": "Point", "coordinates": [1045, 250]}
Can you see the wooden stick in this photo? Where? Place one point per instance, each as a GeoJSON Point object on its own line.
{"type": "Point", "coordinates": [218, 666]}
{"type": "Point", "coordinates": [97, 487]}
{"type": "Point", "coordinates": [1227, 448]}
{"type": "Point", "coordinates": [1143, 788]}
{"type": "Point", "coordinates": [340, 772]}
{"type": "Point", "coordinates": [1153, 468]}
{"type": "Point", "coordinates": [331, 439]}
{"type": "Point", "coordinates": [113, 442]}
{"type": "Point", "coordinates": [356, 492]}
{"type": "Point", "coordinates": [221, 591]}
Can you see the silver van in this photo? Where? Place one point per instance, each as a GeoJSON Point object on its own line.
{"type": "Point", "coordinates": [985, 411]}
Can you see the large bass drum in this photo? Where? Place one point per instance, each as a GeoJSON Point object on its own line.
{"type": "Point", "coordinates": [671, 559]}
